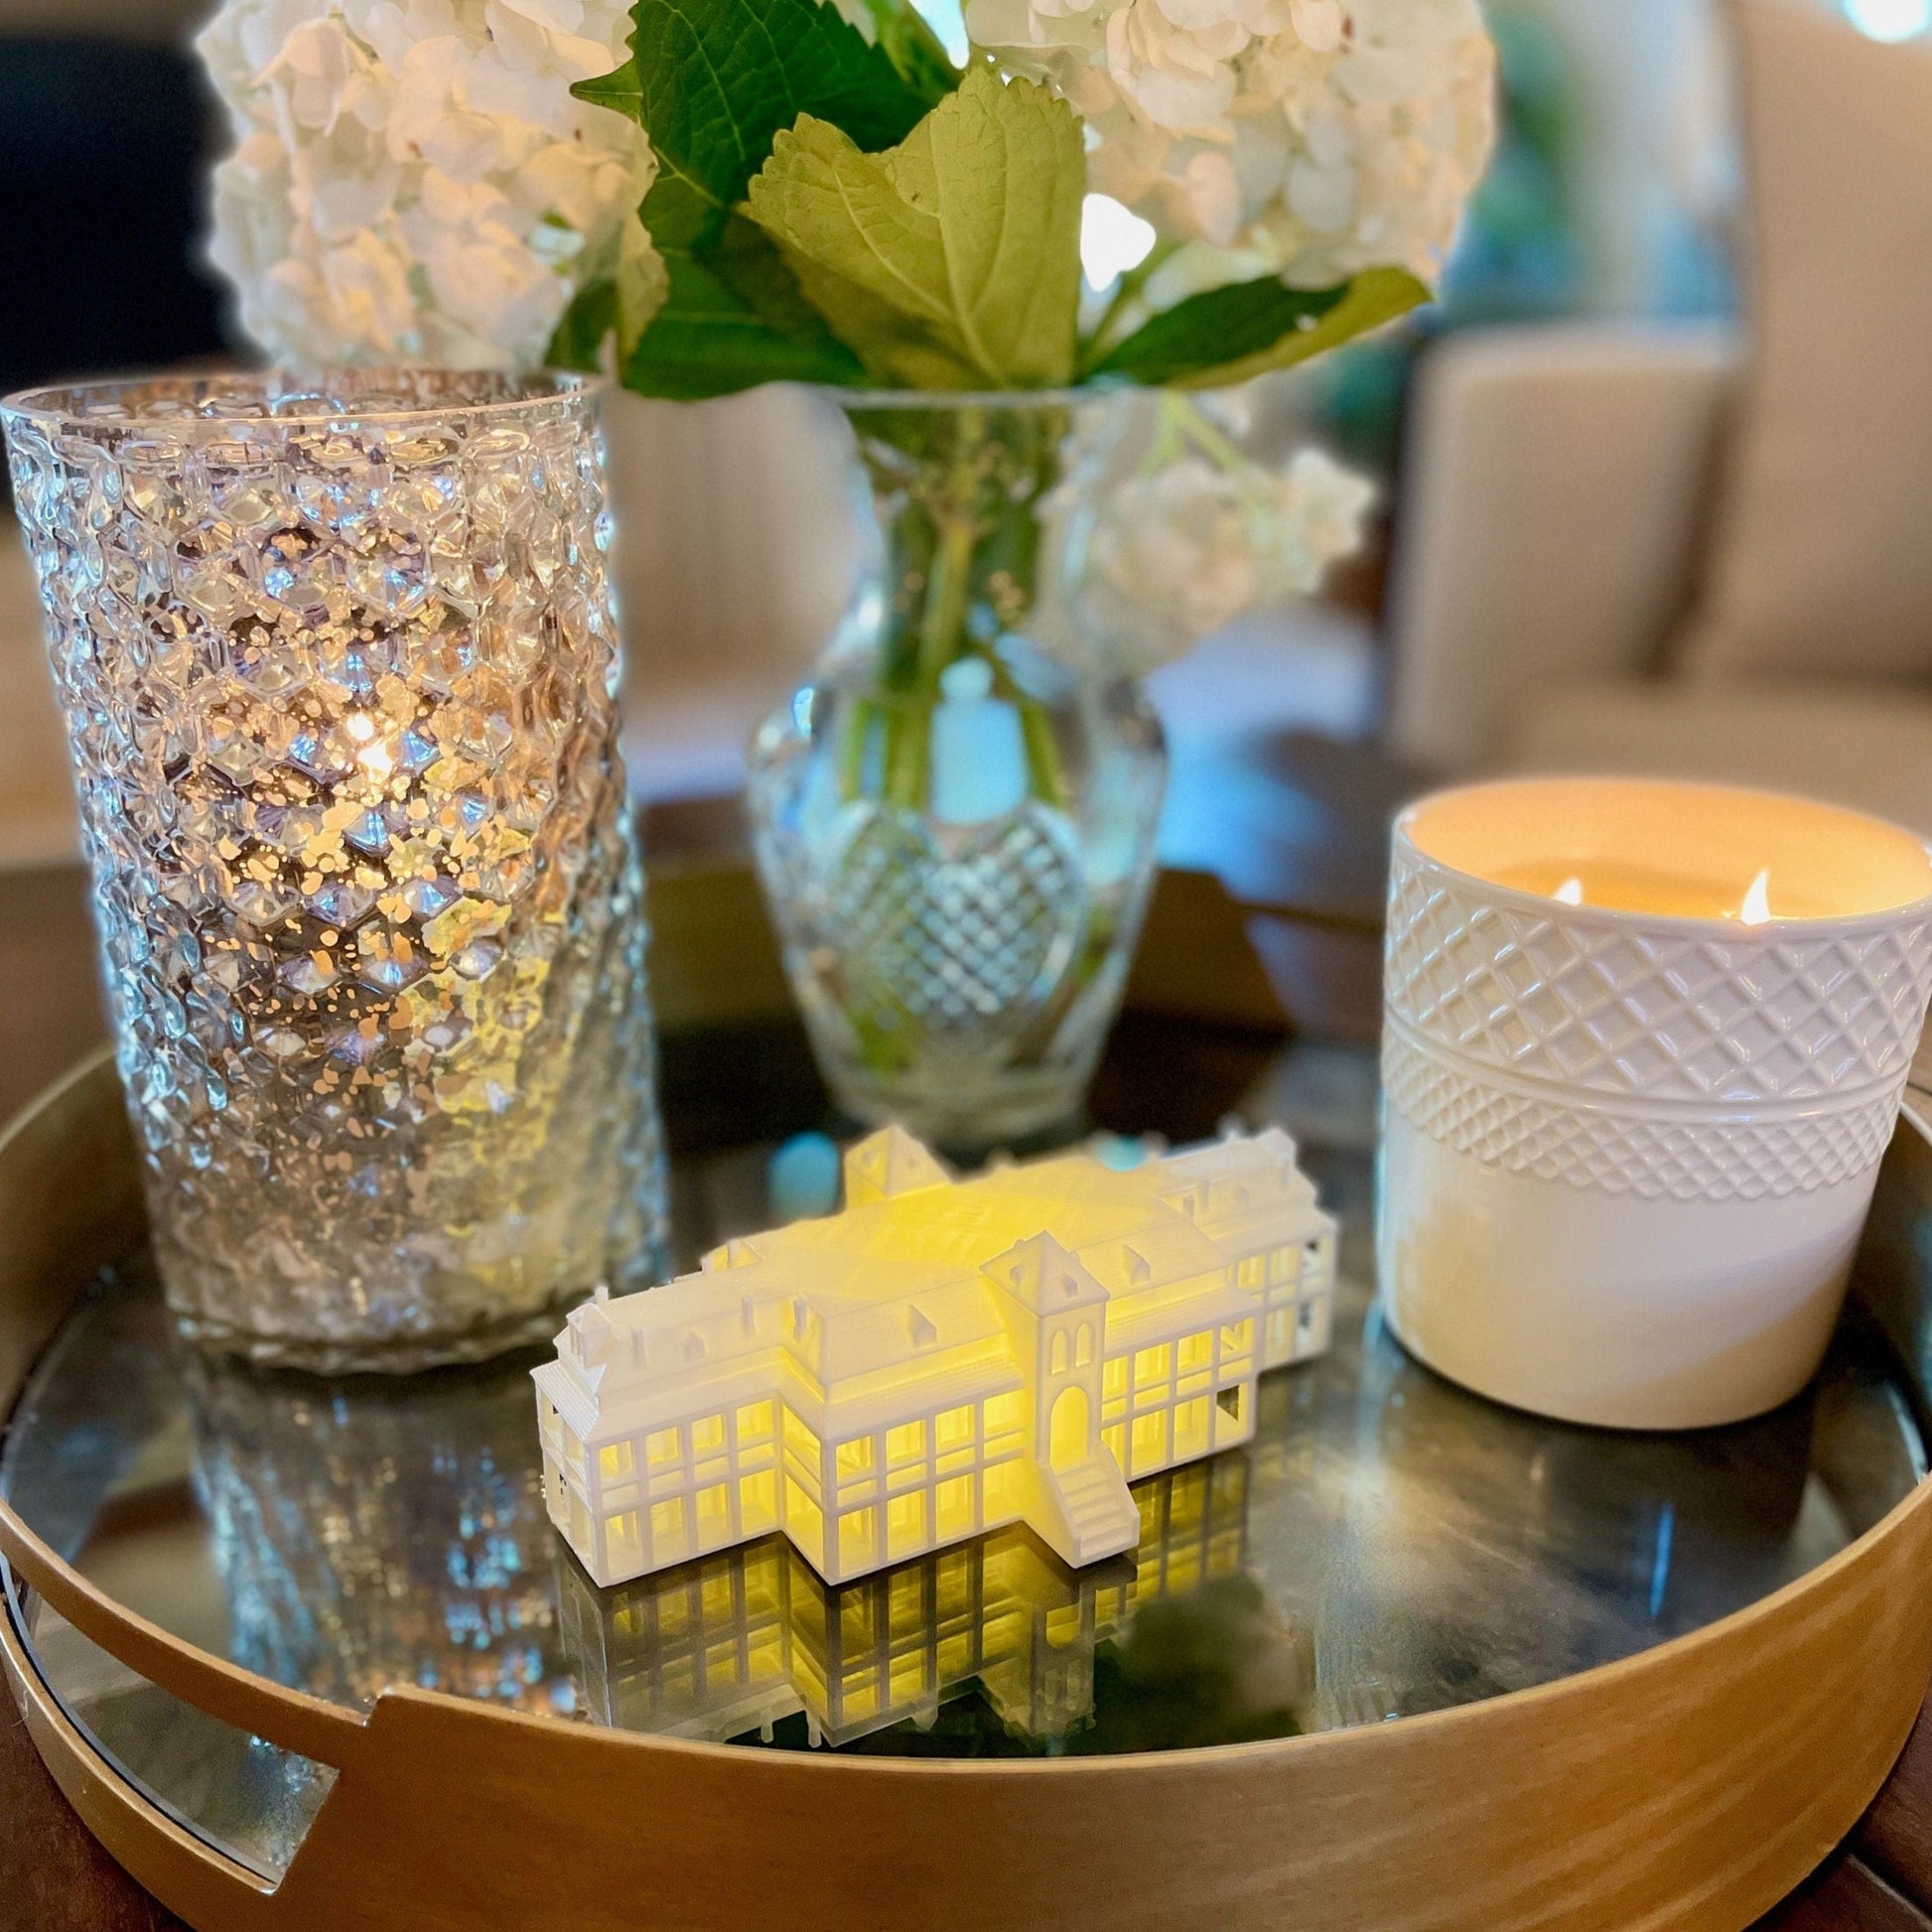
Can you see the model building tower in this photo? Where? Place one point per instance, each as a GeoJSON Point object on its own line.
{"type": "Point", "coordinates": [941, 1358]}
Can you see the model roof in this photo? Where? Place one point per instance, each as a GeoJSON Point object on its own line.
{"type": "Point", "coordinates": [846, 1295]}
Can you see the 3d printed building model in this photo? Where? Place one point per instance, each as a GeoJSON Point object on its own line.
{"type": "Point", "coordinates": [939, 1359]}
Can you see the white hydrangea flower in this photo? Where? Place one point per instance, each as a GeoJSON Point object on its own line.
{"type": "Point", "coordinates": [1313, 138]}
{"type": "Point", "coordinates": [1178, 549]}
{"type": "Point", "coordinates": [413, 181]}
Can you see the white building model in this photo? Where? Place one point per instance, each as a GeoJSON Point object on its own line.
{"type": "Point", "coordinates": [941, 1358]}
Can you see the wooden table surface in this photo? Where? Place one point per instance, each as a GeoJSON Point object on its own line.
{"type": "Point", "coordinates": [53, 1875]}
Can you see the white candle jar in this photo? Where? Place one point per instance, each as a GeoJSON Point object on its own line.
{"type": "Point", "coordinates": [1643, 1047]}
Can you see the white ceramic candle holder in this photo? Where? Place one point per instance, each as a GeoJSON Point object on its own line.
{"type": "Point", "coordinates": [1628, 1152]}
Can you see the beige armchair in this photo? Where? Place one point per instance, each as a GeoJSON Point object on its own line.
{"type": "Point", "coordinates": [1642, 549]}
{"type": "Point", "coordinates": [1553, 517]}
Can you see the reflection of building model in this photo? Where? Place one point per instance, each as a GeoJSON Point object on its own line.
{"type": "Point", "coordinates": [939, 1359]}
{"type": "Point", "coordinates": [737, 1642]}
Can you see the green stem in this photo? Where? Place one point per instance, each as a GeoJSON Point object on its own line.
{"type": "Point", "coordinates": [1125, 291]}
{"type": "Point", "coordinates": [1046, 777]}
{"type": "Point", "coordinates": [963, 541]}
{"type": "Point", "coordinates": [943, 621]}
{"type": "Point", "coordinates": [1206, 438]}
{"type": "Point", "coordinates": [852, 753]}
{"type": "Point", "coordinates": [1046, 774]}
{"type": "Point", "coordinates": [908, 751]}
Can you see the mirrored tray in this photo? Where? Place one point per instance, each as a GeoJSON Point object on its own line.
{"type": "Point", "coordinates": [1387, 1547]}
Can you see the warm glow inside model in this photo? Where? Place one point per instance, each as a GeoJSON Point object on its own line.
{"type": "Point", "coordinates": [941, 1358]}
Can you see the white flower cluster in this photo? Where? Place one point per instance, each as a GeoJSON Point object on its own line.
{"type": "Point", "coordinates": [1176, 551]}
{"type": "Point", "coordinates": [1312, 138]}
{"type": "Point", "coordinates": [413, 181]}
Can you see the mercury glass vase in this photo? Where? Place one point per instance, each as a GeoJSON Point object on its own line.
{"type": "Point", "coordinates": [340, 667]}
{"type": "Point", "coordinates": [954, 818]}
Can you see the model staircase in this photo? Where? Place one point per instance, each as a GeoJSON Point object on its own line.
{"type": "Point", "coordinates": [1090, 1513]}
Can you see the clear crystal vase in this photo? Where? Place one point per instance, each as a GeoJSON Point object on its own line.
{"type": "Point", "coordinates": [339, 668]}
{"type": "Point", "coordinates": [954, 818]}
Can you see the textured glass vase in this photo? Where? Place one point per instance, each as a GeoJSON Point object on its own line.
{"type": "Point", "coordinates": [339, 668]}
{"type": "Point", "coordinates": [955, 818]}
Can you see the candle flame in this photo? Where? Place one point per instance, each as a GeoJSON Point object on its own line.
{"type": "Point", "coordinates": [1756, 909]}
{"type": "Point", "coordinates": [1569, 893]}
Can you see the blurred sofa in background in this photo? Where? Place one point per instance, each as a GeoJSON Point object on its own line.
{"type": "Point", "coordinates": [1640, 548]}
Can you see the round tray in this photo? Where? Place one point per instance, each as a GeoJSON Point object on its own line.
{"type": "Point", "coordinates": [305, 1654]}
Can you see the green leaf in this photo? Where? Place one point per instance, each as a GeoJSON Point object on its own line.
{"type": "Point", "coordinates": [710, 82]}
{"type": "Point", "coordinates": [624, 291]}
{"type": "Point", "coordinates": [623, 91]}
{"type": "Point", "coordinates": [642, 283]}
{"type": "Point", "coordinates": [730, 321]}
{"type": "Point", "coordinates": [580, 335]}
{"type": "Point", "coordinates": [913, 49]}
{"type": "Point", "coordinates": [954, 259]}
{"type": "Point", "coordinates": [1228, 335]}
{"type": "Point", "coordinates": [894, 348]}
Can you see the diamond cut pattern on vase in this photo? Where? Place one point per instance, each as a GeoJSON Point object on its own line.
{"type": "Point", "coordinates": [1577, 998]}
{"type": "Point", "coordinates": [339, 688]}
{"type": "Point", "coordinates": [1683, 1157]}
{"type": "Point", "coordinates": [962, 934]}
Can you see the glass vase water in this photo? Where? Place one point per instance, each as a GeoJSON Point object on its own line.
{"type": "Point", "coordinates": [954, 818]}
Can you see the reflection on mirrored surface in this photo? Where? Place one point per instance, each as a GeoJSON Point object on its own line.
{"type": "Point", "coordinates": [250, 1799]}
{"type": "Point", "coordinates": [378, 1533]}
{"type": "Point", "coordinates": [1386, 1545]}
{"type": "Point", "coordinates": [737, 1643]}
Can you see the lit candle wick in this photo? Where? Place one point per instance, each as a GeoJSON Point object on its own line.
{"type": "Point", "coordinates": [1569, 893]}
{"type": "Point", "coordinates": [1757, 908]}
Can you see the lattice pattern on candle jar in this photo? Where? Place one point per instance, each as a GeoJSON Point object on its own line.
{"type": "Point", "coordinates": [1559, 1041]}
{"type": "Point", "coordinates": [1571, 995]}
{"type": "Point", "coordinates": [1624, 1151]}
{"type": "Point", "coordinates": [340, 666]}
